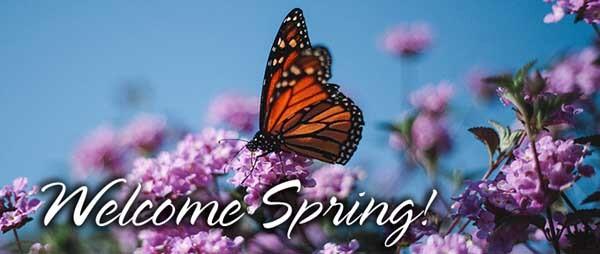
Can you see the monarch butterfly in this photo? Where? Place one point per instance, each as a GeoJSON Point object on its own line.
{"type": "Point", "coordinates": [299, 111]}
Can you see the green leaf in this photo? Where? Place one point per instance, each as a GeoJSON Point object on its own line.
{"type": "Point", "coordinates": [488, 137]}
{"type": "Point", "coordinates": [594, 197]}
{"type": "Point", "coordinates": [503, 80]}
{"type": "Point", "coordinates": [593, 140]}
{"type": "Point", "coordinates": [536, 84]}
{"type": "Point", "coordinates": [546, 106]}
{"type": "Point", "coordinates": [508, 138]}
{"type": "Point", "coordinates": [389, 126]}
{"type": "Point", "coordinates": [521, 75]}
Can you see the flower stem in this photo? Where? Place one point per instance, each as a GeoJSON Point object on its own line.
{"type": "Point", "coordinates": [538, 169]}
{"type": "Point", "coordinates": [464, 226]}
{"type": "Point", "coordinates": [18, 241]}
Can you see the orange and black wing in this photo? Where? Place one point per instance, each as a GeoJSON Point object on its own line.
{"type": "Point", "coordinates": [314, 118]}
{"type": "Point", "coordinates": [291, 40]}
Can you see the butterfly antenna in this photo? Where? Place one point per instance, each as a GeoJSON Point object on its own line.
{"type": "Point", "coordinates": [234, 157]}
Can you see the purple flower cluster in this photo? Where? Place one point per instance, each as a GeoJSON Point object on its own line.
{"type": "Point", "coordinates": [430, 132]}
{"type": "Point", "coordinates": [407, 40]}
{"type": "Point", "coordinates": [16, 204]}
{"type": "Point", "coordinates": [473, 202]}
{"type": "Point", "coordinates": [428, 136]}
{"type": "Point", "coordinates": [589, 11]}
{"type": "Point", "coordinates": [332, 248]}
{"type": "Point", "coordinates": [332, 180]}
{"type": "Point", "coordinates": [561, 162]}
{"type": "Point", "coordinates": [106, 149]}
{"type": "Point", "coordinates": [100, 150]}
{"type": "Point", "coordinates": [480, 203]}
{"type": "Point", "coordinates": [237, 111]}
{"type": "Point", "coordinates": [190, 167]}
{"type": "Point", "coordinates": [517, 190]}
{"type": "Point", "coordinates": [576, 73]}
{"type": "Point", "coordinates": [185, 240]}
{"type": "Point", "coordinates": [451, 243]}
{"type": "Point", "coordinates": [257, 175]}
{"type": "Point", "coordinates": [145, 133]}
{"type": "Point", "coordinates": [432, 99]}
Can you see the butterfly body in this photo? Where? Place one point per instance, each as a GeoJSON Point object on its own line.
{"type": "Point", "coordinates": [265, 142]}
{"type": "Point", "coordinates": [300, 112]}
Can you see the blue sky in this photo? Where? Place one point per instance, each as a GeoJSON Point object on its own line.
{"type": "Point", "coordinates": [61, 64]}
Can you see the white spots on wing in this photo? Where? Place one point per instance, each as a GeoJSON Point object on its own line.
{"type": "Point", "coordinates": [295, 70]}
{"type": "Point", "coordinates": [293, 43]}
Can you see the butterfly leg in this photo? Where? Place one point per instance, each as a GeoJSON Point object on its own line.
{"type": "Point", "coordinates": [281, 162]}
{"type": "Point", "coordinates": [253, 162]}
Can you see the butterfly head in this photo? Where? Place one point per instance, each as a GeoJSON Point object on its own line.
{"type": "Point", "coordinates": [264, 141]}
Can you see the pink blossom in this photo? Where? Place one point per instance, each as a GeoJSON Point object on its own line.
{"type": "Point", "coordinates": [237, 111]}
{"type": "Point", "coordinates": [430, 133]}
{"type": "Point", "coordinates": [451, 243]}
{"type": "Point", "coordinates": [100, 150]}
{"type": "Point", "coordinates": [589, 10]}
{"type": "Point", "coordinates": [268, 171]}
{"type": "Point", "coordinates": [332, 248]}
{"type": "Point", "coordinates": [211, 242]}
{"type": "Point", "coordinates": [189, 168]}
{"type": "Point", "coordinates": [145, 133]}
{"type": "Point", "coordinates": [577, 73]}
{"type": "Point", "coordinates": [332, 180]}
{"type": "Point", "coordinates": [16, 204]}
{"type": "Point", "coordinates": [432, 99]}
{"type": "Point", "coordinates": [183, 240]}
{"type": "Point", "coordinates": [211, 149]}
{"type": "Point", "coordinates": [407, 40]}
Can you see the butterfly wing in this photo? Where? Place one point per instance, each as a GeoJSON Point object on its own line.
{"type": "Point", "coordinates": [291, 40]}
{"type": "Point", "coordinates": [315, 119]}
